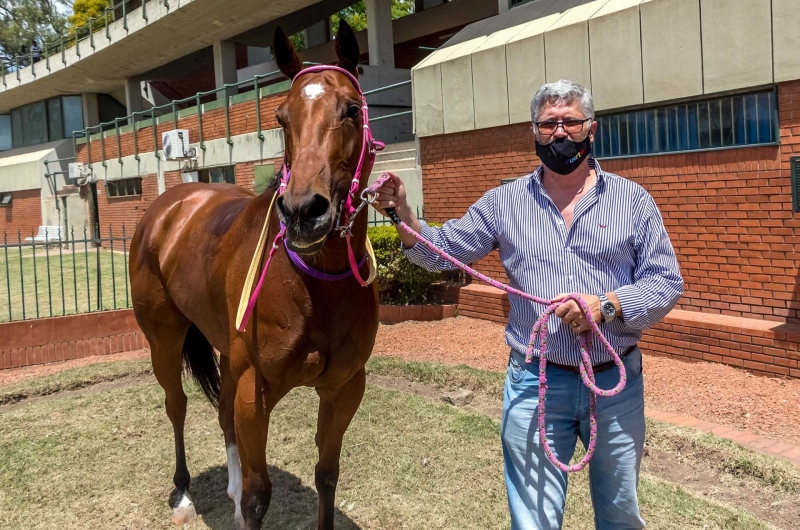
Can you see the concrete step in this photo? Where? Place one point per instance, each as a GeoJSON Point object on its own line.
{"type": "Point", "coordinates": [394, 155]}
{"type": "Point", "coordinates": [394, 165]}
{"type": "Point", "coordinates": [400, 146]}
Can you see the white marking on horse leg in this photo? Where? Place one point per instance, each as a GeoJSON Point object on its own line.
{"type": "Point", "coordinates": [184, 501]}
{"type": "Point", "coordinates": [313, 90]}
{"type": "Point", "coordinates": [235, 479]}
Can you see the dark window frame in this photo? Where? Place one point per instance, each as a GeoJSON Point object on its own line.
{"type": "Point", "coordinates": [6, 198]}
{"type": "Point", "coordinates": [228, 174]}
{"type": "Point", "coordinates": [744, 125]}
{"type": "Point", "coordinates": [124, 188]}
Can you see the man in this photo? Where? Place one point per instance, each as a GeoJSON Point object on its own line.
{"type": "Point", "coordinates": [36, 52]}
{"type": "Point", "coordinates": [567, 227]}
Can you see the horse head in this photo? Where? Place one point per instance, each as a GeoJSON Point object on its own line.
{"type": "Point", "coordinates": [322, 123]}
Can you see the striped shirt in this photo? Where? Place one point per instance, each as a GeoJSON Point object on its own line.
{"type": "Point", "coordinates": [617, 242]}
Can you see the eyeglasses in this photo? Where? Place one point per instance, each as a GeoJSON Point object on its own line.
{"type": "Point", "coordinates": [570, 126]}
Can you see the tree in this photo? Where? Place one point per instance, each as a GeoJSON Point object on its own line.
{"type": "Point", "coordinates": [83, 10]}
{"type": "Point", "coordinates": [22, 21]}
{"type": "Point", "coordinates": [356, 14]}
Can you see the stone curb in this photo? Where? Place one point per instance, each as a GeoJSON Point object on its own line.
{"type": "Point", "coordinates": [754, 442]}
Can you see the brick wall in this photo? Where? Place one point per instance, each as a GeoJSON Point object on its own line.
{"type": "Point", "coordinates": [728, 213]}
{"type": "Point", "coordinates": [48, 340]}
{"type": "Point", "coordinates": [114, 212]}
{"type": "Point", "coordinates": [23, 214]}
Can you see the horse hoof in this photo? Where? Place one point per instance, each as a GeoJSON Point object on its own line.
{"type": "Point", "coordinates": [238, 522]}
{"type": "Point", "coordinates": [184, 515]}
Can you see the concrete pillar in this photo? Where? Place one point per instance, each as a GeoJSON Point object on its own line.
{"type": "Point", "coordinates": [134, 101]}
{"type": "Point", "coordinates": [502, 6]}
{"type": "Point", "coordinates": [318, 33]}
{"type": "Point", "coordinates": [91, 109]}
{"type": "Point", "coordinates": [379, 33]}
{"type": "Point", "coordinates": [225, 66]}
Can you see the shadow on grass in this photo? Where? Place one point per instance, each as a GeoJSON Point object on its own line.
{"type": "Point", "coordinates": [293, 506]}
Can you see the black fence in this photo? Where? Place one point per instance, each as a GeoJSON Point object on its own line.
{"type": "Point", "coordinates": [57, 272]}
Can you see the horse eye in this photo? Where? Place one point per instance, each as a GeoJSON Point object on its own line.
{"type": "Point", "coordinates": [278, 118]}
{"type": "Point", "coordinates": [352, 111]}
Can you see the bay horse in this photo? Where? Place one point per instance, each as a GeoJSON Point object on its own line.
{"type": "Point", "coordinates": [188, 261]}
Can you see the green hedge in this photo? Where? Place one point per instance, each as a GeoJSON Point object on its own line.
{"type": "Point", "coordinates": [400, 282]}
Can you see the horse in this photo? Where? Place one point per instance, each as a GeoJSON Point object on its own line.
{"type": "Point", "coordinates": [188, 262]}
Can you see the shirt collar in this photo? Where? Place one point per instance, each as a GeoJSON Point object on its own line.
{"type": "Point", "coordinates": [536, 176]}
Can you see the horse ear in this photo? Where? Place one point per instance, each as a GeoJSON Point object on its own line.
{"type": "Point", "coordinates": [347, 48]}
{"type": "Point", "coordinates": [288, 61]}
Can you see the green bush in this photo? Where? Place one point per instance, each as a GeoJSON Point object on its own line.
{"type": "Point", "coordinates": [400, 282]}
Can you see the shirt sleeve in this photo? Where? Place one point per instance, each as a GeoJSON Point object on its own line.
{"type": "Point", "coordinates": [658, 283]}
{"type": "Point", "coordinates": [467, 239]}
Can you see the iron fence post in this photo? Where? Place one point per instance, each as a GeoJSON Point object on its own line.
{"type": "Point", "coordinates": [47, 261]}
{"type": "Point", "coordinates": [35, 275]}
{"type": "Point", "coordinates": [21, 272]}
{"type": "Point", "coordinates": [74, 267]}
{"type": "Point", "coordinates": [8, 276]}
{"type": "Point", "coordinates": [113, 275]}
{"type": "Point", "coordinates": [125, 265]}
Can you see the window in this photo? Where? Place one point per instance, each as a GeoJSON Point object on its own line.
{"type": "Point", "coordinates": [55, 119]}
{"type": "Point", "coordinates": [5, 132]}
{"type": "Point", "coordinates": [124, 188]}
{"type": "Point", "coordinates": [44, 121]}
{"type": "Point", "coordinates": [748, 119]}
{"type": "Point", "coordinates": [218, 175]}
{"type": "Point", "coordinates": [263, 177]}
{"type": "Point", "coordinates": [5, 199]}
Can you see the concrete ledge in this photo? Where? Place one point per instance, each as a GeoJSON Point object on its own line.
{"type": "Point", "coordinates": [48, 340]}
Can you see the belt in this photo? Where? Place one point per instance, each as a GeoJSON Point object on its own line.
{"type": "Point", "coordinates": [597, 368]}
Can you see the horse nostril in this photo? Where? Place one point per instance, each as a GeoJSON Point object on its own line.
{"type": "Point", "coordinates": [282, 208]}
{"type": "Point", "coordinates": [316, 207]}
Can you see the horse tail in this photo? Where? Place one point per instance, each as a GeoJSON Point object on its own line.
{"type": "Point", "coordinates": [202, 364]}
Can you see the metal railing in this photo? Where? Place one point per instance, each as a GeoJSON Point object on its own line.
{"type": "Point", "coordinates": [376, 219]}
{"type": "Point", "coordinates": [136, 124]}
{"type": "Point", "coordinates": [73, 39]}
{"type": "Point", "coordinates": [56, 273]}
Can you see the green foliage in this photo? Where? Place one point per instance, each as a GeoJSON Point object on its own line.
{"type": "Point", "coordinates": [21, 21]}
{"type": "Point", "coordinates": [356, 14]}
{"type": "Point", "coordinates": [83, 11]}
{"type": "Point", "coordinates": [399, 281]}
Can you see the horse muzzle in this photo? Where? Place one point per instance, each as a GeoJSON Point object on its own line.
{"type": "Point", "coordinates": [308, 222]}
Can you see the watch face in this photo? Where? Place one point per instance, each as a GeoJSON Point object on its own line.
{"type": "Point", "coordinates": [608, 309]}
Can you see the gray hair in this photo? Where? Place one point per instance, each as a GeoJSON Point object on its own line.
{"type": "Point", "coordinates": [564, 92]}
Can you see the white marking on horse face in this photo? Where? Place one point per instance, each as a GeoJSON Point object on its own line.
{"type": "Point", "coordinates": [235, 478]}
{"type": "Point", "coordinates": [313, 90]}
{"type": "Point", "coordinates": [184, 501]}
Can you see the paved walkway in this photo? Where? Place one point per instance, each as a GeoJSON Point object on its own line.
{"type": "Point", "coordinates": [754, 442]}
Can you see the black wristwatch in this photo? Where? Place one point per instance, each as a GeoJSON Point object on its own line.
{"type": "Point", "coordinates": [607, 308]}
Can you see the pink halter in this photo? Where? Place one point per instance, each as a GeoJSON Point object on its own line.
{"type": "Point", "coordinates": [347, 213]}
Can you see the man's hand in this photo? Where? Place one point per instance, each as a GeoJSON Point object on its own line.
{"type": "Point", "coordinates": [393, 195]}
{"type": "Point", "coordinates": [572, 315]}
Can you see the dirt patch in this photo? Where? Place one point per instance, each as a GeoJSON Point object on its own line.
{"type": "Point", "coordinates": [13, 375]}
{"type": "Point", "coordinates": [780, 510]}
{"type": "Point", "coordinates": [91, 388]}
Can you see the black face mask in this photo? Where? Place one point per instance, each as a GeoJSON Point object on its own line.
{"type": "Point", "coordinates": [563, 155]}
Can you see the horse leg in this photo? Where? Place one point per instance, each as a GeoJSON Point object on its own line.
{"type": "Point", "coordinates": [226, 406]}
{"type": "Point", "coordinates": [336, 410]}
{"type": "Point", "coordinates": [252, 408]}
{"type": "Point", "coordinates": [167, 359]}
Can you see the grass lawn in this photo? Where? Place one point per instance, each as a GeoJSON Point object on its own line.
{"type": "Point", "coordinates": [105, 460]}
{"type": "Point", "coordinates": [53, 283]}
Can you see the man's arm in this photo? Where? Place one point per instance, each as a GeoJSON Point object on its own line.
{"type": "Point", "coordinates": [467, 239]}
{"type": "Point", "coordinates": [658, 283]}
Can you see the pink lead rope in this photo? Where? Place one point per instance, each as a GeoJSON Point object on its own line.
{"type": "Point", "coordinates": [539, 334]}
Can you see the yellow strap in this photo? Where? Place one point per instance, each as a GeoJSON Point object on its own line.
{"type": "Point", "coordinates": [373, 262]}
{"type": "Point", "coordinates": [251, 273]}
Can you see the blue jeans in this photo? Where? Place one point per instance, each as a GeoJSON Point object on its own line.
{"type": "Point", "coordinates": [537, 489]}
